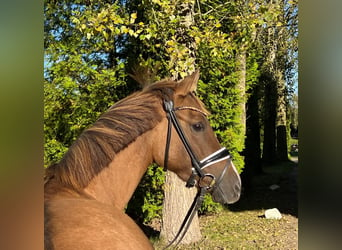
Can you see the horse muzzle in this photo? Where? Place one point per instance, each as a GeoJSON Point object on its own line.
{"type": "Point", "coordinates": [226, 188]}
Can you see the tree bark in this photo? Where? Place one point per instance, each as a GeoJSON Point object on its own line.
{"type": "Point", "coordinates": [269, 155]}
{"type": "Point", "coordinates": [270, 116]}
{"type": "Point", "coordinates": [241, 64]}
{"type": "Point", "coordinates": [275, 131]}
{"type": "Point", "coordinates": [252, 150]}
{"type": "Point", "coordinates": [281, 105]}
{"type": "Point", "coordinates": [281, 120]}
{"type": "Point", "coordinates": [177, 202]}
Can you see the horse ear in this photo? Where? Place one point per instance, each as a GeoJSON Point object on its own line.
{"type": "Point", "coordinates": [188, 84]}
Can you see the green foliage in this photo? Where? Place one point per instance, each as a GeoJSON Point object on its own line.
{"type": "Point", "coordinates": [147, 200]}
{"type": "Point", "coordinates": [222, 98]}
{"type": "Point", "coordinates": [209, 206]}
{"type": "Point", "coordinates": [80, 80]}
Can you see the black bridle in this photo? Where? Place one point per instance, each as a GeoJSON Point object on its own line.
{"type": "Point", "coordinates": [197, 166]}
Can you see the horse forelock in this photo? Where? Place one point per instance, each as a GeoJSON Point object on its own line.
{"type": "Point", "coordinates": [115, 129]}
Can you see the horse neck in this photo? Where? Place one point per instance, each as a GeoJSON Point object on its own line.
{"type": "Point", "coordinates": [115, 184]}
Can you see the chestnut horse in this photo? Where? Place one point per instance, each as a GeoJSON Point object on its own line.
{"type": "Point", "coordinates": [87, 191]}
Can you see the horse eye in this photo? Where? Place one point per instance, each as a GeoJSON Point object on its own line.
{"type": "Point", "coordinates": [198, 127]}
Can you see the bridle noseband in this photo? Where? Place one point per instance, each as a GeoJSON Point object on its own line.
{"type": "Point", "coordinates": [197, 166]}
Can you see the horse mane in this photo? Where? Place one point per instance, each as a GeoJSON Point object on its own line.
{"type": "Point", "coordinates": [119, 126]}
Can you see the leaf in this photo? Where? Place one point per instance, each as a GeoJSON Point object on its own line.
{"type": "Point", "coordinates": [170, 43]}
{"type": "Point", "coordinates": [148, 36]}
{"type": "Point", "coordinates": [197, 39]}
{"type": "Point", "coordinates": [124, 29]}
{"type": "Point", "coordinates": [105, 34]}
{"type": "Point", "coordinates": [134, 15]}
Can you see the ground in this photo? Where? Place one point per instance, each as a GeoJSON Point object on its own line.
{"type": "Point", "coordinates": [243, 226]}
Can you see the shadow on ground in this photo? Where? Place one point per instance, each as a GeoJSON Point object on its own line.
{"type": "Point", "coordinates": [260, 196]}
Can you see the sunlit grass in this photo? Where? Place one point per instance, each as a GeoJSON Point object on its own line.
{"type": "Point", "coordinates": [244, 230]}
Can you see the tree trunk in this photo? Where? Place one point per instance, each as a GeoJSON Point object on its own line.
{"type": "Point", "coordinates": [177, 202]}
{"type": "Point", "coordinates": [281, 121]}
{"type": "Point", "coordinates": [281, 105]}
{"type": "Point", "coordinates": [178, 198]}
{"type": "Point", "coordinates": [241, 68]}
{"type": "Point", "coordinates": [270, 116]}
{"type": "Point", "coordinates": [268, 77]}
{"type": "Point", "coordinates": [241, 64]}
{"type": "Point", "coordinates": [252, 141]}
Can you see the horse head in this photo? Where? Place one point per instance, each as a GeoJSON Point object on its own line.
{"type": "Point", "coordinates": [188, 145]}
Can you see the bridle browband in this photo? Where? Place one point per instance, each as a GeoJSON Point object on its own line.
{"type": "Point", "coordinates": [197, 166]}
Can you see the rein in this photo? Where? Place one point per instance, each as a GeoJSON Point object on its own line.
{"type": "Point", "coordinates": [197, 166]}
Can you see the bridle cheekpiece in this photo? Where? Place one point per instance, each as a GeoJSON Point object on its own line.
{"type": "Point", "coordinates": [197, 166]}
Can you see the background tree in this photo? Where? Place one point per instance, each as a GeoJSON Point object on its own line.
{"type": "Point", "coordinates": [278, 40]}
{"type": "Point", "coordinates": [178, 58]}
{"type": "Point", "coordinates": [190, 36]}
{"type": "Point", "coordinates": [83, 75]}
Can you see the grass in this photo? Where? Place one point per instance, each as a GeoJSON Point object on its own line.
{"type": "Point", "coordinates": [244, 230]}
{"type": "Point", "coordinates": [243, 225]}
